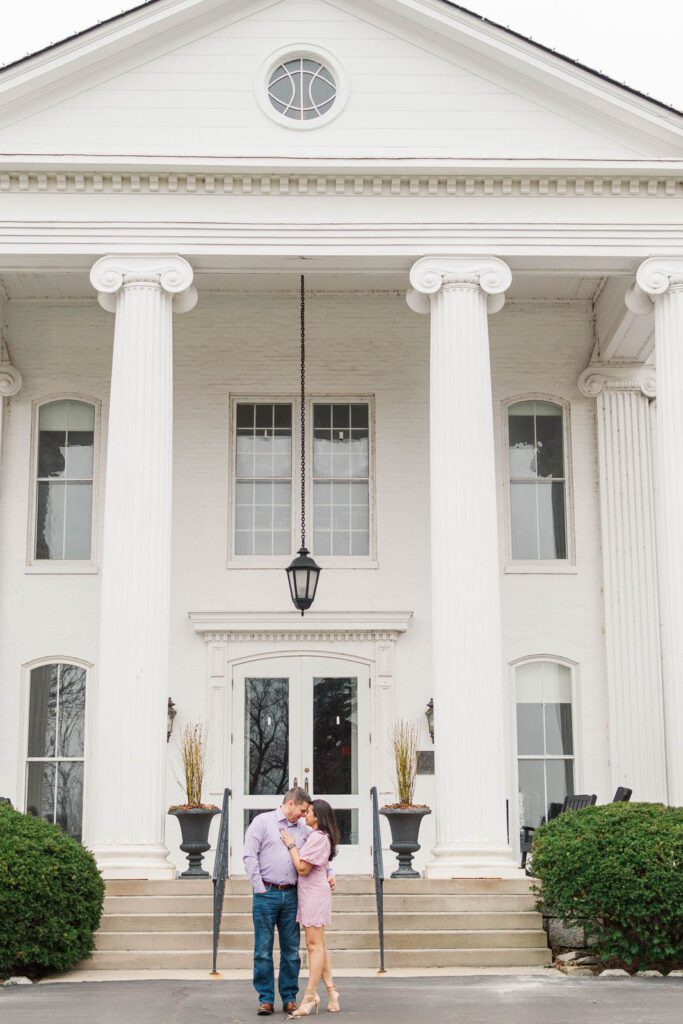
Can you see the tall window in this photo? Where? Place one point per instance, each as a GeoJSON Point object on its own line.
{"type": "Point", "coordinates": [545, 742]}
{"type": "Point", "coordinates": [64, 488]}
{"type": "Point", "coordinates": [537, 480]}
{"type": "Point", "coordinates": [341, 479]}
{"type": "Point", "coordinates": [263, 479]}
{"type": "Point", "coordinates": [56, 732]}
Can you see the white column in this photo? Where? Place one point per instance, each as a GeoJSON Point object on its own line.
{"type": "Point", "coordinates": [626, 479]}
{"type": "Point", "coordinates": [10, 385]}
{"type": "Point", "coordinates": [659, 283]}
{"type": "Point", "coordinates": [467, 664]}
{"type": "Point", "coordinates": [126, 776]}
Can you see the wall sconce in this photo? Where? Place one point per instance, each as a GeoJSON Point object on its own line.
{"type": "Point", "coordinates": [170, 715]}
{"type": "Point", "coordinates": [429, 715]}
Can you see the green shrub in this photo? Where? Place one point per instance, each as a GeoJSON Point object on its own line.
{"type": "Point", "coordinates": [617, 870]}
{"type": "Point", "coordinates": [51, 897]}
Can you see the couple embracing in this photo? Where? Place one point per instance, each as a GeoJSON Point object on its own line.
{"type": "Point", "coordinates": [287, 856]}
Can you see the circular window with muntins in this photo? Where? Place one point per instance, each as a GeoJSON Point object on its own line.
{"type": "Point", "coordinates": [302, 89]}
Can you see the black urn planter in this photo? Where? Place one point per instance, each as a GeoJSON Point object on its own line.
{"type": "Point", "coordinates": [404, 823]}
{"type": "Point", "coordinates": [195, 823]}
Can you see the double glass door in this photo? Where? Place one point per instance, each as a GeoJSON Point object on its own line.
{"type": "Point", "coordinates": [303, 721]}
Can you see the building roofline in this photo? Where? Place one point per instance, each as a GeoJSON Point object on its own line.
{"type": "Point", "coordinates": [449, 3]}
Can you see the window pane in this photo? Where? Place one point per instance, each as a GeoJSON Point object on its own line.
{"type": "Point", "coordinates": [266, 746]}
{"type": "Point", "coordinates": [71, 712]}
{"type": "Point", "coordinates": [40, 790]}
{"type": "Point", "coordinates": [529, 682]}
{"type": "Point", "coordinates": [532, 801]}
{"type": "Point", "coordinates": [556, 682]}
{"type": "Point", "coordinates": [50, 520]}
{"type": "Point", "coordinates": [559, 780]}
{"type": "Point", "coordinates": [79, 455]}
{"type": "Point", "coordinates": [522, 441]}
{"type": "Point", "coordinates": [69, 815]}
{"type": "Point", "coordinates": [551, 524]}
{"type": "Point", "coordinates": [530, 729]}
{"type": "Point", "coordinates": [78, 520]}
{"type": "Point", "coordinates": [549, 440]}
{"type": "Point", "coordinates": [51, 453]}
{"type": "Point", "coordinates": [335, 735]}
{"type": "Point", "coordinates": [42, 715]}
{"type": "Point", "coordinates": [558, 729]}
{"type": "Point", "coordinates": [347, 820]}
{"type": "Point", "coordinates": [524, 522]}
{"type": "Point", "coordinates": [263, 455]}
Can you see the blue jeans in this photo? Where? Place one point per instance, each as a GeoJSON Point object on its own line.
{"type": "Point", "coordinates": [276, 908]}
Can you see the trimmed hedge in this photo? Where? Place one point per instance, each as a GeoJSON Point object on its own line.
{"type": "Point", "coordinates": [617, 871]}
{"type": "Point", "coordinates": [51, 895]}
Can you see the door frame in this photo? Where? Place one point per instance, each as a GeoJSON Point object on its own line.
{"type": "Point", "coordinates": [364, 673]}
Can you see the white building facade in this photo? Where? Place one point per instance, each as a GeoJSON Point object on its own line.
{"type": "Point", "coordinates": [492, 243]}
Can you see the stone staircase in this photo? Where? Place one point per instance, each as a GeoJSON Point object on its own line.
{"type": "Point", "coordinates": [428, 923]}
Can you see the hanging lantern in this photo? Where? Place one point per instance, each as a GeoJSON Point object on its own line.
{"type": "Point", "coordinates": [303, 573]}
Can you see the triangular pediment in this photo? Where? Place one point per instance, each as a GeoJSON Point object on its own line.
{"type": "Point", "coordinates": [425, 81]}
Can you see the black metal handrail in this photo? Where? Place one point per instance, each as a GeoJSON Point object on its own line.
{"type": "Point", "coordinates": [221, 866]}
{"type": "Point", "coordinates": [378, 875]}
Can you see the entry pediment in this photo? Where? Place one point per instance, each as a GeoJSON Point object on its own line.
{"type": "Point", "coordinates": [426, 80]}
{"type": "Point", "coordinates": [316, 625]}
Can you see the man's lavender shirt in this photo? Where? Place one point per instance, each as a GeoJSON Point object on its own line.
{"type": "Point", "coordinates": [265, 855]}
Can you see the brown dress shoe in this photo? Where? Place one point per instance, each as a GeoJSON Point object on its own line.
{"type": "Point", "coordinates": [265, 1009]}
{"type": "Point", "coordinates": [290, 1007]}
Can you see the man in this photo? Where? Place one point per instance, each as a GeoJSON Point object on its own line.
{"type": "Point", "coordinates": [273, 880]}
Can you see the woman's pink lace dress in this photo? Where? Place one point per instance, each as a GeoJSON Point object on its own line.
{"type": "Point", "coordinates": [314, 894]}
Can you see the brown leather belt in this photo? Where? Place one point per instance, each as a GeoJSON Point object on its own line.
{"type": "Point", "coordinates": [274, 885]}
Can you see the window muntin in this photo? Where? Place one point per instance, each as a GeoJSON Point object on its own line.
{"type": "Point", "coordinates": [56, 746]}
{"type": "Point", "coordinates": [302, 89]}
{"type": "Point", "coordinates": [263, 478]}
{"type": "Point", "coordinates": [341, 479]}
{"type": "Point", "coordinates": [545, 741]}
{"type": "Point", "coordinates": [537, 480]}
{"type": "Point", "coordinates": [64, 481]}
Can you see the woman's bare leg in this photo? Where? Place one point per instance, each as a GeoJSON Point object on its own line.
{"type": "Point", "coordinates": [327, 964]}
{"type": "Point", "coordinates": [315, 944]}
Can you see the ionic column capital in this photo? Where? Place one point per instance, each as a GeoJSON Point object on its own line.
{"type": "Point", "coordinates": [432, 273]}
{"type": "Point", "coordinates": [599, 377]}
{"type": "Point", "coordinates": [10, 380]}
{"type": "Point", "coordinates": [654, 278]}
{"type": "Point", "coordinates": [173, 274]}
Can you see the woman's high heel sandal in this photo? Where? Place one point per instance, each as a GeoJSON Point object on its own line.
{"type": "Point", "coordinates": [332, 999]}
{"type": "Point", "coordinates": [310, 1002]}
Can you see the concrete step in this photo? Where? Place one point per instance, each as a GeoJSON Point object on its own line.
{"type": "Point", "coordinates": [343, 959]}
{"type": "Point", "coordinates": [241, 941]}
{"type": "Point", "coordinates": [340, 922]}
{"type": "Point", "coordinates": [492, 903]}
{"type": "Point", "coordinates": [349, 884]}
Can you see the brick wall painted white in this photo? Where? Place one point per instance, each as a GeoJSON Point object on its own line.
{"type": "Point", "coordinates": [368, 343]}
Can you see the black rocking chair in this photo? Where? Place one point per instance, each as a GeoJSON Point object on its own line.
{"type": "Point", "coordinates": [571, 803]}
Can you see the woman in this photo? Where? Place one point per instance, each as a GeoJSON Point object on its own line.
{"type": "Point", "coordinates": [315, 900]}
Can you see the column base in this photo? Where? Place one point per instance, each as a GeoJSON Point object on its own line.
{"type": "Point", "coordinates": [470, 861]}
{"type": "Point", "coordinates": [148, 862]}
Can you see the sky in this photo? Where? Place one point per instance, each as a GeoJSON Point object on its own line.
{"type": "Point", "coordinates": [624, 41]}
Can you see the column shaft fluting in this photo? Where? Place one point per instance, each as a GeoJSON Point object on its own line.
{"type": "Point", "coordinates": [669, 351]}
{"type": "Point", "coordinates": [634, 679]}
{"type": "Point", "coordinates": [470, 766]}
{"type": "Point", "coordinates": [127, 766]}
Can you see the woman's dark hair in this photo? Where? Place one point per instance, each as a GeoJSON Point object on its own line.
{"type": "Point", "coordinates": [327, 823]}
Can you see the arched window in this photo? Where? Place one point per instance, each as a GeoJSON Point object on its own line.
{"type": "Point", "coordinates": [545, 737]}
{"type": "Point", "coordinates": [64, 481]}
{"type": "Point", "coordinates": [537, 480]}
{"type": "Point", "coordinates": [56, 746]}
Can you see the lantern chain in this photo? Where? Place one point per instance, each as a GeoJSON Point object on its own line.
{"type": "Point", "coordinates": [303, 413]}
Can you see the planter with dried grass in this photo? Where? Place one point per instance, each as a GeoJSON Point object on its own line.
{"type": "Point", "coordinates": [405, 817]}
{"type": "Point", "coordinates": [194, 817]}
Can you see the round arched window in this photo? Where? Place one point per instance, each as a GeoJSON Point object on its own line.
{"type": "Point", "coordinates": [302, 89]}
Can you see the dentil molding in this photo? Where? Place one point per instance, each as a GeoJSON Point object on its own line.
{"type": "Point", "coordinates": [431, 273]}
{"type": "Point", "coordinates": [173, 274]}
{"type": "Point", "coordinates": [655, 277]}
{"type": "Point", "coordinates": [285, 183]}
{"type": "Point", "coordinates": [599, 377]}
{"type": "Point", "coordinates": [279, 626]}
